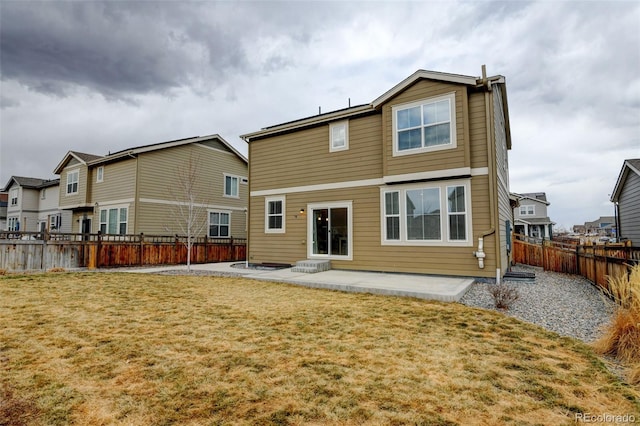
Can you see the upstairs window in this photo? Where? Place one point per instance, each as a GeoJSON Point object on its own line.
{"type": "Point", "coordinates": [14, 198]}
{"type": "Point", "coordinates": [339, 136]}
{"type": "Point", "coordinates": [424, 126]}
{"type": "Point", "coordinates": [527, 210]}
{"type": "Point", "coordinates": [72, 182]}
{"type": "Point", "coordinates": [43, 194]}
{"type": "Point", "coordinates": [231, 186]}
{"type": "Point", "coordinates": [100, 174]}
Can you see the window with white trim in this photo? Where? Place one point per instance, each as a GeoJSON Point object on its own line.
{"type": "Point", "coordinates": [72, 181]}
{"type": "Point", "coordinates": [100, 174]}
{"type": "Point", "coordinates": [55, 221]}
{"type": "Point", "coordinates": [14, 199]}
{"type": "Point", "coordinates": [426, 214]}
{"type": "Point", "coordinates": [231, 186]}
{"type": "Point", "coordinates": [392, 215]}
{"type": "Point", "coordinates": [13, 224]}
{"type": "Point", "coordinates": [43, 194]}
{"type": "Point", "coordinates": [113, 220]}
{"type": "Point", "coordinates": [219, 224]}
{"type": "Point", "coordinates": [339, 136]}
{"type": "Point", "coordinates": [424, 126]}
{"type": "Point", "coordinates": [274, 215]}
{"type": "Point", "coordinates": [527, 210]}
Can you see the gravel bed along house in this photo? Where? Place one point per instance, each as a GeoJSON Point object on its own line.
{"type": "Point", "coordinates": [566, 304]}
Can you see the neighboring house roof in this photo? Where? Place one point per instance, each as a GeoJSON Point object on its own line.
{"type": "Point", "coordinates": [536, 221]}
{"type": "Point", "coordinates": [376, 104]}
{"type": "Point", "coordinates": [92, 160]}
{"type": "Point", "coordinates": [32, 183]}
{"type": "Point", "coordinates": [629, 166]}
{"type": "Point", "coordinates": [535, 196]}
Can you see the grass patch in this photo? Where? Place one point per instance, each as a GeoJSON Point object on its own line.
{"type": "Point", "coordinates": [140, 349]}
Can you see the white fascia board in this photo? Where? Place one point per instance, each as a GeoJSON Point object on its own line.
{"type": "Point", "coordinates": [422, 74]}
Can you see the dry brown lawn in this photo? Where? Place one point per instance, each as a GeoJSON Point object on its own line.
{"type": "Point", "coordinates": [92, 349]}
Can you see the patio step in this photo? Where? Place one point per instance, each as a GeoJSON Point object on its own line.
{"type": "Point", "coordinates": [311, 266]}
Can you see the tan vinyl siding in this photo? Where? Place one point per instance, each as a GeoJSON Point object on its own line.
{"type": "Point", "coordinates": [505, 213]}
{"type": "Point", "coordinates": [478, 130]}
{"type": "Point", "coordinates": [303, 158]}
{"type": "Point", "coordinates": [429, 161]}
{"type": "Point", "coordinates": [368, 251]}
{"type": "Point", "coordinates": [159, 187]}
{"type": "Point", "coordinates": [82, 197]}
{"type": "Point", "coordinates": [118, 181]}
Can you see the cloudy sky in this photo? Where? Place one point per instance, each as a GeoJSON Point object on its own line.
{"type": "Point", "coordinates": [97, 77]}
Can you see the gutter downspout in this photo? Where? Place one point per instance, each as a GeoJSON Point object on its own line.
{"type": "Point", "coordinates": [480, 254]}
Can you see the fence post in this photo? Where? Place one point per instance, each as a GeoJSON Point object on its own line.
{"type": "Point", "coordinates": [140, 256]}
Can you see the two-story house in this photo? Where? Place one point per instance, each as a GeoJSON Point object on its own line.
{"type": "Point", "coordinates": [415, 181]}
{"type": "Point", "coordinates": [147, 189]}
{"type": "Point", "coordinates": [531, 216]}
{"type": "Point", "coordinates": [626, 199]}
{"type": "Point", "coordinates": [32, 204]}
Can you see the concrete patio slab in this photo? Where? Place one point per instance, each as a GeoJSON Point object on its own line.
{"type": "Point", "coordinates": [446, 289]}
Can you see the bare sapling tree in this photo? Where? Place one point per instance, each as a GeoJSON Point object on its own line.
{"type": "Point", "coordinates": [189, 207]}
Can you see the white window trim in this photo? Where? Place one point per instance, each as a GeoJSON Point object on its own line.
{"type": "Point", "coordinates": [526, 210]}
{"type": "Point", "coordinates": [451, 145]}
{"type": "Point", "coordinates": [228, 212]}
{"type": "Point", "coordinates": [445, 240]}
{"type": "Point", "coordinates": [334, 204]}
{"type": "Point", "coordinates": [13, 197]}
{"type": "Point", "coordinates": [268, 230]}
{"type": "Point", "coordinates": [345, 147]}
{"type": "Point", "coordinates": [100, 174]}
{"type": "Point", "coordinates": [111, 207]}
{"type": "Point", "coordinates": [224, 185]}
{"type": "Point", "coordinates": [77, 182]}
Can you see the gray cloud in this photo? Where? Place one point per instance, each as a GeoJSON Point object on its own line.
{"type": "Point", "coordinates": [101, 76]}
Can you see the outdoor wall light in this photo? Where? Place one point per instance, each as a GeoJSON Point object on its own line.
{"type": "Point", "coordinates": [301, 211]}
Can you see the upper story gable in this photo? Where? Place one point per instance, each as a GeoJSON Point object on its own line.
{"type": "Point", "coordinates": [531, 205]}
{"type": "Point", "coordinates": [142, 171]}
{"type": "Point", "coordinates": [75, 181]}
{"type": "Point", "coordinates": [31, 194]}
{"type": "Point", "coordinates": [430, 125]}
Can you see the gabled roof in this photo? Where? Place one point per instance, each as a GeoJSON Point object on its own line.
{"type": "Point", "coordinates": [164, 145]}
{"type": "Point", "coordinates": [31, 183]}
{"type": "Point", "coordinates": [92, 160]}
{"type": "Point", "coordinates": [540, 197]}
{"type": "Point", "coordinates": [80, 156]}
{"type": "Point", "coordinates": [629, 166]}
{"type": "Point", "coordinates": [376, 104]}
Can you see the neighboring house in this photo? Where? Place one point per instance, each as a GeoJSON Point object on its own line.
{"type": "Point", "coordinates": [603, 226]}
{"type": "Point", "coordinates": [32, 204]}
{"type": "Point", "coordinates": [415, 181]}
{"type": "Point", "coordinates": [4, 197]}
{"type": "Point", "coordinates": [531, 217]}
{"type": "Point", "coordinates": [626, 198]}
{"type": "Point", "coordinates": [141, 189]}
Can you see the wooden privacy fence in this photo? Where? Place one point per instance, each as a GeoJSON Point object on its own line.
{"type": "Point", "coordinates": [594, 262]}
{"type": "Point", "coordinates": [42, 251]}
